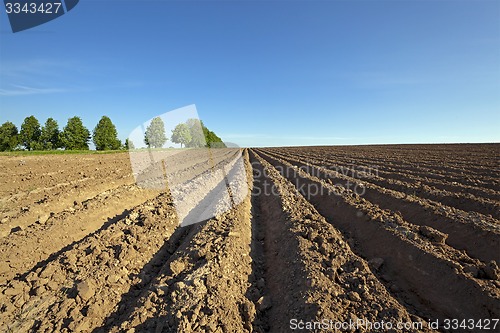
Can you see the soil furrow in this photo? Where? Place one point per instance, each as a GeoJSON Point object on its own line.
{"type": "Point", "coordinates": [59, 230]}
{"type": "Point", "coordinates": [132, 304]}
{"type": "Point", "coordinates": [80, 286]}
{"type": "Point", "coordinates": [465, 202]}
{"type": "Point", "coordinates": [202, 285]}
{"type": "Point", "coordinates": [413, 268]}
{"type": "Point", "coordinates": [351, 168]}
{"type": "Point", "coordinates": [313, 275]}
{"type": "Point", "coordinates": [487, 167]}
{"type": "Point", "coordinates": [464, 231]}
{"type": "Point", "coordinates": [30, 209]}
{"type": "Point", "coordinates": [271, 240]}
{"type": "Point", "coordinates": [393, 173]}
{"type": "Point", "coordinates": [465, 176]}
{"type": "Point", "coordinates": [54, 232]}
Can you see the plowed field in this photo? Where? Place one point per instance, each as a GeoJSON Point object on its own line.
{"type": "Point", "coordinates": [349, 239]}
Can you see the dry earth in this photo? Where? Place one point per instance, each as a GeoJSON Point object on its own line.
{"type": "Point", "coordinates": [384, 234]}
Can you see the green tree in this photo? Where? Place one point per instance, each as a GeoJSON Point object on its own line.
{"type": "Point", "coordinates": [155, 133]}
{"type": "Point", "coordinates": [8, 136]}
{"type": "Point", "coordinates": [212, 139]}
{"type": "Point", "coordinates": [30, 132]}
{"type": "Point", "coordinates": [129, 145]}
{"type": "Point", "coordinates": [196, 131]}
{"type": "Point", "coordinates": [181, 134]}
{"type": "Point", "coordinates": [105, 136]}
{"type": "Point", "coordinates": [74, 135]}
{"type": "Point", "coordinates": [49, 138]}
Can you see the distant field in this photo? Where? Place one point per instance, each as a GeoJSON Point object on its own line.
{"type": "Point", "coordinates": [70, 152]}
{"type": "Point", "coordinates": [57, 152]}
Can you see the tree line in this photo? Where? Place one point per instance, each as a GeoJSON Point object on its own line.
{"type": "Point", "coordinates": [191, 134]}
{"type": "Point", "coordinates": [75, 136]}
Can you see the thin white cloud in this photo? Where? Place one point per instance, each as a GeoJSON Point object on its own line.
{"type": "Point", "coordinates": [36, 67]}
{"type": "Point", "coordinates": [45, 76]}
{"type": "Point", "coordinates": [34, 77]}
{"type": "Point", "coordinates": [18, 90]}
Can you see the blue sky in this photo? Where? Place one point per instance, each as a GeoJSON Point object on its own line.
{"type": "Point", "coordinates": [266, 73]}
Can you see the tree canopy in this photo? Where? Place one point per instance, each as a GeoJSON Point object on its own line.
{"type": "Point", "coordinates": [49, 137]}
{"type": "Point", "coordinates": [105, 136]}
{"type": "Point", "coordinates": [30, 132]}
{"type": "Point", "coordinates": [155, 133]}
{"type": "Point", "coordinates": [8, 136]}
{"type": "Point", "coordinates": [196, 130]}
{"type": "Point", "coordinates": [212, 139]}
{"type": "Point", "coordinates": [75, 136]}
{"type": "Point", "coordinates": [129, 144]}
{"type": "Point", "coordinates": [201, 136]}
{"type": "Point", "coordinates": [181, 134]}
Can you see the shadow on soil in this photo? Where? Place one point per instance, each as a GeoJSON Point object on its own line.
{"type": "Point", "coordinates": [69, 247]}
{"type": "Point", "coordinates": [135, 297]}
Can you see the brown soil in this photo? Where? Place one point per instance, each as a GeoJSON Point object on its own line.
{"type": "Point", "coordinates": [85, 249]}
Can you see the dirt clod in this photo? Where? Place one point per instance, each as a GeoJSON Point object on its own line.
{"type": "Point", "coordinates": [376, 263]}
{"type": "Point", "coordinates": [85, 290]}
{"type": "Point", "coordinates": [434, 235]}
